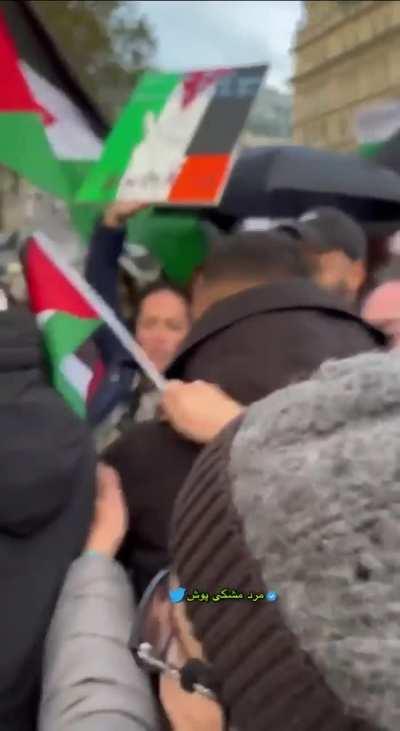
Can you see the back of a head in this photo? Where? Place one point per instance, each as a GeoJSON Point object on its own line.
{"type": "Point", "coordinates": [245, 260]}
{"type": "Point", "coordinates": [257, 256]}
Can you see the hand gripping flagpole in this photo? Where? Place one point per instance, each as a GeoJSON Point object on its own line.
{"type": "Point", "coordinates": [105, 312]}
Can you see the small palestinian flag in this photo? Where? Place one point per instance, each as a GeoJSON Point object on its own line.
{"type": "Point", "coordinates": [175, 139]}
{"type": "Point", "coordinates": [375, 126]}
{"type": "Point", "coordinates": [49, 133]}
{"type": "Point", "coordinates": [69, 314]}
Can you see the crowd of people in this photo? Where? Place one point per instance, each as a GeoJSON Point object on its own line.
{"type": "Point", "coordinates": [269, 463]}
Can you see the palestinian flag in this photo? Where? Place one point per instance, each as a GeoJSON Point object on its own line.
{"type": "Point", "coordinates": [49, 132]}
{"type": "Point", "coordinates": [376, 125]}
{"type": "Point", "coordinates": [178, 240]}
{"type": "Point", "coordinates": [175, 139]}
{"type": "Point", "coordinates": [69, 314]}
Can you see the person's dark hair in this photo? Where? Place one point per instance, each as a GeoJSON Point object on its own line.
{"type": "Point", "coordinates": [162, 286]}
{"type": "Point", "coordinates": [154, 288]}
{"type": "Point", "coordinates": [269, 255]}
{"type": "Point", "coordinates": [329, 229]}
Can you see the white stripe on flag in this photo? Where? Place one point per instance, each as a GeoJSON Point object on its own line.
{"type": "Point", "coordinates": [70, 135]}
{"type": "Point", "coordinates": [43, 316]}
{"type": "Point", "coordinates": [104, 311]}
{"type": "Point", "coordinates": [77, 373]}
{"type": "Point", "coordinates": [158, 158]}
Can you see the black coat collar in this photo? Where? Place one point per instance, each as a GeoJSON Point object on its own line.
{"type": "Point", "coordinates": [296, 294]}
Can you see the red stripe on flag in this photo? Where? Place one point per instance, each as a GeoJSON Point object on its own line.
{"type": "Point", "coordinates": [197, 81]}
{"type": "Point", "coordinates": [200, 179]}
{"type": "Point", "coordinates": [49, 289]}
{"type": "Point", "coordinates": [15, 94]}
{"type": "Point", "coordinates": [99, 372]}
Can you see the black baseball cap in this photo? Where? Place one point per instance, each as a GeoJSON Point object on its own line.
{"type": "Point", "coordinates": [328, 229]}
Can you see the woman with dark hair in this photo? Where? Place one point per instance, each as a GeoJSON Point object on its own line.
{"type": "Point", "coordinates": [161, 321]}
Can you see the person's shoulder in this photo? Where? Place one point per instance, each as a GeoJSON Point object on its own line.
{"type": "Point", "coordinates": [125, 442]}
{"type": "Point", "coordinates": [140, 442]}
{"type": "Point", "coordinates": [146, 443]}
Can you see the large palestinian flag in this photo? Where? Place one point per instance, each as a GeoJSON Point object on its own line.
{"type": "Point", "coordinates": [70, 313]}
{"type": "Point", "coordinates": [175, 139]}
{"type": "Point", "coordinates": [49, 132]}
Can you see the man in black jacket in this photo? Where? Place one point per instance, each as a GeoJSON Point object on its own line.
{"type": "Point", "coordinates": [261, 324]}
{"type": "Point", "coordinates": [47, 498]}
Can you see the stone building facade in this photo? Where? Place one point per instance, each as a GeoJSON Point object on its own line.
{"type": "Point", "coordinates": [347, 55]}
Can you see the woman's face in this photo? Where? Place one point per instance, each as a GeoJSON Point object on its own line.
{"type": "Point", "coordinates": [186, 711]}
{"type": "Point", "coordinates": [163, 322]}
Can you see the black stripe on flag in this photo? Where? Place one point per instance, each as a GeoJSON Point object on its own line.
{"type": "Point", "coordinates": [228, 111]}
{"type": "Point", "coordinates": [88, 353]}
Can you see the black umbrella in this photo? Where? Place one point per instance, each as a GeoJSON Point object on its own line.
{"type": "Point", "coordinates": [287, 181]}
{"type": "Point", "coordinates": [388, 156]}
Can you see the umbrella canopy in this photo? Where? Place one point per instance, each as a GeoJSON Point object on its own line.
{"type": "Point", "coordinates": [388, 155]}
{"type": "Point", "coordinates": [289, 180]}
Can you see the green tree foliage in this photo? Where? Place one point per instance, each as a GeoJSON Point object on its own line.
{"type": "Point", "coordinates": [106, 43]}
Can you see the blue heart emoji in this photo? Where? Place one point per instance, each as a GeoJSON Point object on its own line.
{"type": "Point", "coordinates": [177, 595]}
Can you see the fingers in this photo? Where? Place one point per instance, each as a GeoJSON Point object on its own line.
{"type": "Point", "coordinates": [171, 390]}
{"type": "Point", "coordinates": [117, 213]}
{"type": "Point", "coordinates": [198, 410]}
{"type": "Point", "coordinates": [108, 480]}
{"type": "Point", "coordinates": [173, 385]}
{"type": "Point", "coordinates": [110, 519]}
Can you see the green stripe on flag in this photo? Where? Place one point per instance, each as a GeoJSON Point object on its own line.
{"type": "Point", "coordinates": [370, 149]}
{"type": "Point", "coordinates": [63, 334]}
{"type": "Point", "coordinates": [24, 148]}
{"type": "Point", "coordinates": [75, 172]}
{"type": "Point", "coordinates": [149, 95]}
{"type": "Point", "coordinates": [69, 394]}
{"type": "Point", "coordinates": [83, 218]}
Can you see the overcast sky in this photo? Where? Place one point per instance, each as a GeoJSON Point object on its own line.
{"type": "Point", "coordinates": [224, 32]}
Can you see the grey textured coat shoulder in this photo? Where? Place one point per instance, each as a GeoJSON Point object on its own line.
{"type": "Point", "coordinates": [317, 466]}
